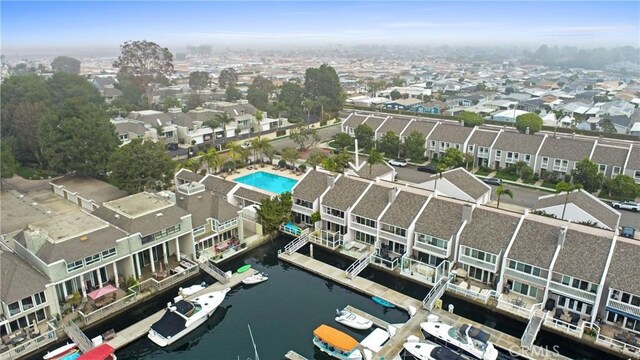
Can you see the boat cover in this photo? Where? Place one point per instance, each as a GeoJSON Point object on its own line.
{"type": "Point", "coordinates": [442, 353]}
{"type": "Point", "coordinates": [169, 325]}
{"type": "Point", "coordinates": [475, 333]}
{"type": "Point", "coordinates": [335, 338]}
{"type": "Point", "coordinates": [101, 352]}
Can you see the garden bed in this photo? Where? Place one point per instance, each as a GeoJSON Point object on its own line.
{"type": "Point", "coordinates": [507, 176]}
{"type": "Point", "coordinates": [483, 172]}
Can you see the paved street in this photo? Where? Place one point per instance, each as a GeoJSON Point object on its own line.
{"type": "Point", "coordinates": [325, 134]}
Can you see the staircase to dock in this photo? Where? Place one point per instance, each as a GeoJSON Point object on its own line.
{"type": "Point", "coordinates": [356, 268]}
{"type": "Point", "coordinates": [435, 293]}
{"type": "Point", "coordinates": [77, 336]}
{"type": "Point", "coordinates": [533, 327]}
{"type": "Point", "coordinates": [297, 243]}
{"type": "Point", "coordinates": [214, 271]}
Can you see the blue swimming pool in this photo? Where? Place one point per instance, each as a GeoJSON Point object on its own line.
{"type": "Point", "coordinates": [267, 181]}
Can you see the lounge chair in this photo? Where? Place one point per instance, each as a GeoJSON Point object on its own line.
{"type": "Point", "coordinates": [558, 314]}
{"type": "Point", "coordinates": [575, 318]}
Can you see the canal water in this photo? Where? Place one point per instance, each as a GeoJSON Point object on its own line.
{"type": "Point", "coordinates": [284, 311]}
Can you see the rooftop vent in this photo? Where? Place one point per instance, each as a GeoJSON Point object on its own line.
{"type": "Point", "coordinates": [84, 238]}
{"type": "Point", "coordinates": [158, 214]}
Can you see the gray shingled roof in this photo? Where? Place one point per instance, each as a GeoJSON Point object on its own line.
{"type": "Point", "coordinates": [19, 278]}
{"type": "Point", "coordinates": [625, 267]}
{"type": "Point", "coordinates": [517, 142]}
{"type": "Point", "coordinates": [423, 127]}
{"type": "Point", "coordinates": [373, 202]}
{"type": "Point", "coordinates": [124, 127]}
{"type": "Point", "coordinates": [483, 137]}
{"type": "Point", "coordinates": [344, 193]}
{"type": "Point", "coordinates": [354, 120]}
{"type": "Point", "coordinates": [489, 230]}
{"type": "Point", "coordinates": [374, 121]}
{"type": "Point", "coordinates": [580, 198]}
{"type": "Point", "coordinates": [535, 243]}
{"type": "Point", "coordinates": [376, 170]}
{"type": "Point", "coordinates": [394, 124]}
{"type": "Point", "coordinates": [312, 186]}
{"type": "Point", "coordinates": [251, 195]}
{"type": "Point", "coordinates": [146, 224]}
{"type": "Point", "coordinates": [466, 182]}
{"type": "Point", "coordinates": [583, 255]}
{"type": "Point", "coordinates": [404, 209]}
{"type": "Point", "coordinates": [218, 185]}
{"type": "Point", "coordinates": [188, 175]}
{"type": "Point", "coordinates": [565, 148]}
{"type": "Point", "coordinates": [609, 155]}
{"type": "Point", "coordinates": [634, 159]}
{"type": "Point", "coordinates": [204, 206]}
{"type": "Point", "coordinates": [455, 134]}
{"type": "Point", "coordinates": [441, 218]}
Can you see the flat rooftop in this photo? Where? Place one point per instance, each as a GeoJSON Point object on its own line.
{"type": "Point", "coordinates": [70, 225]}
{"type": "Point", "coordinates": [138, 204]}
{"type": "Point", "coordinates": [91, 189]}
{"type": "Point", "coordinates": [19, 210]}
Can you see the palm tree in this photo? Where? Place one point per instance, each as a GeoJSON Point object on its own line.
{"type": "Point", "coordinates": [567, 188]}
{"type": "Point", "coordinates": [315, 158]}
{"type": "Point", "coordinates": [269, 151]}
{"type": "Point", "coordinates": [290, 154]}
{"type": "Point", "coordinates": [440, 167]}
{"type": "Point", "coordinates": [235, 153]}
{"type": "Point", "coordinates": [503, 191]}
{"type": "Point", "coordinates": [375, 157]}
{"type": "Point", "coordinates": [193, 164]}
{"type": "Point", "coordinates": [211, 158]}
{"type": "Point", "coordinates": [223, 119]}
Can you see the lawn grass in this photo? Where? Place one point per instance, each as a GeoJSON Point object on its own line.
{"type": "Point", "coordinates": [30, 173]}
{"type": "Point", "coordinates": [507, 176]}
{"type": "Point", "coordinates": [549, 185]}
{"type": "Point", "coordinates": [530, 182]}
{"type": "Point", "coordinates": [483, 172]}
{"type": "Point", "coordinates": [332, 144]}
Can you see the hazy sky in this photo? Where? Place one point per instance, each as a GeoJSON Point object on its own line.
{"type": "Point", "coordinates": [63, 25]}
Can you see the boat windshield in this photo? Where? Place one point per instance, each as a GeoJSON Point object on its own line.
{"type": "Point", "coordinates": [455, 334]}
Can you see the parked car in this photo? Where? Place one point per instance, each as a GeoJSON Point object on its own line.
{"type": "Point", "coordinates": [172, 146]}
{"type": "Point", "coordinates": [628, 231]}
{"type": "Point", "coordinates": [428, 168]}
{"type": "Point", "coordinates": [492, 181]}
{"type": "Point", "coordinates": [626, 205]}
{"type": "Point", "coordinates": [246, 145]}
{"type": "Point", "coordinates": [398, 162]}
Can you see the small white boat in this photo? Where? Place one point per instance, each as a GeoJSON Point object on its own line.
{"type": "Point", "coordinates": [188, 291]}
{"type": "Point", "coordinates": [466, 339]}
{"type": "Point", "coordinates": [255, 279]}
{"type": "Point", "coordinates": [430, 351]}
{"type": "Point", "coordinates": [60, 352]}
{"type": "Point", "coordinates": [352, 320]}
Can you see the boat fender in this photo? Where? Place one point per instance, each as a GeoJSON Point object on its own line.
{"type": "Point", "coordinates": [368, 354]}
{"type": "Point", "coordinates": [433, 318]}
{"type": "Point", "coordinates": [392, 330]}
{"type": "Point", "coordinates": [169, 305]}
{"type": "Point", "coordinates": [203, 284]}
{"type": "Point", "coordinates": [412, 310]}
{"type": "Point", "coordinates": [413, 339]}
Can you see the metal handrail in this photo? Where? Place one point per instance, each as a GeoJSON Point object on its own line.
{"type": "Point", "coordinates": [354, 269]}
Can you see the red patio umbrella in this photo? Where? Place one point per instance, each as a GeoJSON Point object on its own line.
{"type": "Point", "coordinates": [102, 291]}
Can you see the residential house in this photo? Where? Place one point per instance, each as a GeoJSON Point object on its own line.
{"type": "Point", "coordinates": [374, 122]}
{"type": "Point", "coordinates": [622, 304]}
{"type": "Point", "coordinates": [106, 87]}
{"type": "Point", "coordinates": [579, 207]}
{"type": "Point", "coordinates": [480, 144]}
{"type": "Point", "coordinates": [511, 147]}
{"type": "Point", "coordinates": [610, 159]}
{"type": "Point", "coordinates": [632, 165]}
{"type": "Point", "coordinates": [128, 130]}
{"type": "Point", "coordinates": [306, 195]}
{"type": "Point", "coordinates": [403, 104]}
{"type": "Point", "coordinates": [382, 171]}
{"type": "Point", "coordinates": [352, 121]}
{"type": "Point", "coordinates": [365, 216]}
{"type": "Point", "coordinates": [393, 124]}
{"type": "Point", "coordinates": [445, 136]}
{"type": "Point", "coordinates": [459, 184]}
{"type": "Point", "coordinates": [423, 127]}
{"type": "Point", "coordinates": [560, 155]}
{"type": "Point", "coordinates": [336, 204]}
{"type": "Point", "coordinates": [508, 116]}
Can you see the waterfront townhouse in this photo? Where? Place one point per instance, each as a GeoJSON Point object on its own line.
{"type": "Point", "coordinates": [446, 136]}
{"type": "Point", "coordinates": [622, 304]}
{"type": "Point", "coordinates": [397, 225]}
{"type": "Point", "coordinates": [459, 184]}
{"type": "Point", "coordinates": [184, 176]}
{"type": "Point", "coordinates": [435, 237]}
{"type": "Point", "coordinates": [423, 127]}
{"type": "Point", "coordinates": [243, 197]}
{"type": "Point", "coordinates": [25, 295]}
{"type": "Point", "coordinates": [579, 206]}
{"type": "Point", "coordinates": [632, 165]}
{"type": "Point", "coordinates": [306, 195]}
{"type": "Point", "coordinates": [374, 122]}
{"type": "Point", "coordinates": [560, 155]}
{"type": "Point", "coordinates": [484, 241]}
{"type": "Point", "coordinates": [157, 230]}
{"type": "Point", "coordinates": [578, 272]}
{"type": "Point", "coordinates": [610, 159]}
{"type": "Point", "coordinates": [480, 145]}
{"type": "Point", "coordinates": [336, 205]}
{"type": "Point", "coordinates": [511, 147]}
{"type": "Point", "coordinates": [218, 185]}
{"type": "Point", "coordinates": [217, 224]}
{"type": "Point", "coordinates": [352, 121]}
{"type": "Point", "coordinates": [392, 124]}
{"type": "Point", "coordinates": [365, 216]}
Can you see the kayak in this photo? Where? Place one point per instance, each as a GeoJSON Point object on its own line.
{"type": "Point", "coordinates": [244, 268]}
{"type": "Point", "coordinates": [382, 302]}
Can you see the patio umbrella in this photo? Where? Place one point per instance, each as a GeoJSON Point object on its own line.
{"type": "Point", "coordinates": [102, 291]}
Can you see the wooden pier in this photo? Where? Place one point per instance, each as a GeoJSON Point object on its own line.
{"type": "Point", "coordinates": [376, 321]}
{"type": "Point", "coordinates": [141, 328]}
{"type": "Point", "coordinates": [393, 347]}
{"type": "Point", "coordinates": [292, 355]}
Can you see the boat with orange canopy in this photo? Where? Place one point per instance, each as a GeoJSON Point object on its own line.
{"type": "Point", "coordinates": [336, 343]}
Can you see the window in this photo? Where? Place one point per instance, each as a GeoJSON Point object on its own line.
{"type": "Point", "coordinates": [123, 137]}
{"type": "Point", "coordinates": [303, 203]}
{"type": "Point", "coordinates": [432, 145]}
{"type": "Point", "coordinates": [524, 289]}
{"type": "Point", "coordinates": [108, 253]}
{"type": "Point", "coordinates": [365, 221]}
{"type": "Point", "coordinates": [442, 145]}
{"type": "Point", "coordinates": [27, 303]}
{"type": "Point", "coordinates": [75, 265]}
{"type": "Point", "coordinates": [615, 171]}
{"type": "Point", "coordinates": [40, 298]}
{"type": "Point", "coordinates": [470, 148]}
{"type": "Point", "coordinates": [334, 212]}
{"type": "Point", "coordinates": [433, 241]}
{"type": "Point", "coordinates": [199, 230]}
{"type": "Point", "coordinates": [527, 159]}
{"type": "Point", "coordinates": [526, 268]}
{"type": "Point", "coordinates": [14, 308]}
{"type": "Point", "coordinates": [498, 155]}
{"type": "Point", "coordinates": [394, 230]}
{"type": "Point", "coordinates": [366, 238]}
{"type": "Point", "coordinates": [91, 259]}
{"type": "Point", "coordinates": [480, 255]}
{"type": "Point", "coordinates": [457, 146]}
{"type": "Point", "coordinates": [602, 168]}
{"type": "Point", "coordinates": [545, 162]}
{"type": "Point", "coordinates": [581, 284]}
{"type": "Point", "coordinates": [560, 165]}
{"type": "Point", "coordinates": [167, 134]}
{"type": "Point", "coordinates": [636, 175]}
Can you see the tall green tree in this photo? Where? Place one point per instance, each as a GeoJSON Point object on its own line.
{"type": "Point", "coordinates": [259, 91]}
{"type": "Point", "coordinates": [141, 165]}
{"type": "Point", "coordinates": [8, 163]}
{"type": "Point", "coordinates": [374, 157]}
{"type": "Point", "coordinates": [567, 188]}
{"type": "Point", "coordinates": [291, 97]}
{"type": "Point", "coordinates": [587, 175]}
{"type": "Point", "coordinates": [290, 155]}
{"type": "Point", "coordinates": [607, 126]}
{"type": "Point", "coordinates": [170, 102]}
{"type": "Point", "coordinates": [63, 86]}
{"type": "Point", "coordinates": [79, 138]}
{"type": "Point", "coordinates": [304, 136]}
{"type": "Point", "coordinates": [529, 120]}
{"type": "Point", "coordinates": [228, 76]}
{"type": "Point", "coordinates": [471, 119]}
{"type": "Point", "coordinates": [342, 141]}
{"type": "Point", "coordinates": [338, 162]}
{"type": "Point", "coordinates": [25, 129]}
{"type": "Point", "coordinates": [16, 90]}
{"type": "Point", "coordinates": [274, 212]}
{"type": "Point", "coordinates": [623, 186]}
{"type": "Point", "coordinates": [453, 158]}
{"type": "Point", "coordinates": [211, 158]}
{"type": "Point", "coordinates": [413, 146]}
{"type": "Point", "coordinates": [390, 144]}
{"type": "Point", "coordinates": [395, 95]}
{"type": "Point", "coordinates": [232, 93]}
{"type": "Point", "coordinates": [365, 136]}
{"type": "Point", "coordinates": [322, 86]}
{"type": "Point", "coordinates": [199, 80]}
{"type": "Point", "coordinates": [315, 158]}
{"type": "Point", "coordinates": [66, 64]}
{"type": "Point", "coordinates": [144, 62]}
{"type": "Point", "coordinates": [222, 119]}
{"type": "Point", "coordinates": [503, 191]}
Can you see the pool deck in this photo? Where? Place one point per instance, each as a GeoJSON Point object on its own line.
{"type": "Point", "coordinates": [268, 169]}
{"type": "Point", "coordinates": [412, 327]}
{"type": "Point", "coordinates": [140, 329]}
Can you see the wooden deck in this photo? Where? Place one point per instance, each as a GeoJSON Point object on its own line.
{"type": "Point", "coordinates": [140, 329]}
{"type": "Point", "coordinates": [292, 355]}
{"type": "Point", "coordinates": [393, 347]}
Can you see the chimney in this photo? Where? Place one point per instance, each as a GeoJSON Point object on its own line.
{"type": "Point", "coordinates": [562, 235]}
{"type": "Point", "coordinates": [527, 131]}
{"type": "Point", "coordinates": [392, 194]}
{"type": "Point", "coordinates": [357, 157]}
{"type": "Point", "coordinates": [467, 212]}
{"type": "Point", "coordinates": [462, 123]}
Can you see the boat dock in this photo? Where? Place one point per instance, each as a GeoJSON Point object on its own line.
{"type": "Point", "coordinates": [139, 329]}
{"type": "Point", "coordinates": [292, 355]}
{"type": "Point", "coordinates": [393, 347]}
{"type": "Point", "coordinates": [376, 321]}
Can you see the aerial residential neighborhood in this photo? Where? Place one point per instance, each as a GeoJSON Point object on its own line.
{"type": "Point", "coordinates": [397, 189]}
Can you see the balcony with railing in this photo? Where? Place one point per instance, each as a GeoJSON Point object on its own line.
{"type": "Point", "coordinates": [419, 270]}
{"type": "Point", "coordinates": [388, 260]}
{"type": "Point", "coordinates": [518, 275]}
{"type": "Point", "coordinates": [328, 239]}
{"type": "Point", "coordinates": [432, 249]}
{"type": "Point", "coordinates": [478, 263]}
{"type": "Point", "coordinates": [575, 293]}
{"type": "Point", "coordinates": [623, 307]}
{"type": "Point", "coordinates": [363, 228]}
{"type": "Point", "coordinates": [392, 236]}
{"type": "Point", "coordinates": [333, 218]}
{"type": "Point", "coordinates": [301, 209]}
